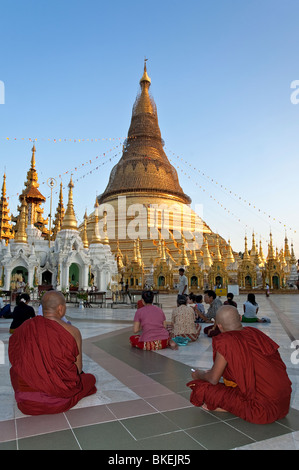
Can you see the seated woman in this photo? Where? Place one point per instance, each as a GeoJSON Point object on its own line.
{"type": "Point", "coordinates": [22, 312]}
{"type": "Point", "coordinates": [250, 308]}
{"type": "Point", "coordinates": [152, 321]}
{"type": "Point", "coordinates": [183, 320]}
{"type": "Point", "coordinates": [230, 300]}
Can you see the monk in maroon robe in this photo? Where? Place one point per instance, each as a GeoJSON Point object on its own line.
{"type": "Point", "coordinates": [46, 358]}
{"type": "Point", "coordinates": [255, 384]}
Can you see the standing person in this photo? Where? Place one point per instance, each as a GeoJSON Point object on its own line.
{"type": "Point", "coordinates": [152, 321]}
{"type": "Point", "coordinates": [47, 376]}
{"type": "Point", "coordinates": [183, 320]}
{"type": "Point", "coordinates": [256, 386]}
{"type": "Point", "coordinates": [183, 283]}
{"type": "Point", "coordinates": [127, 290]}
{"type": "Point", "coordinates": [267, 290]}
{"type": "Point", "coordinates": [22, 312]}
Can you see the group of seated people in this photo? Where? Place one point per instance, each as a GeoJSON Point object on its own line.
{"type": "Point", "coordinates": [248, 377]}
{"type": "Point", "coordinates": [185, 321]}
{"type": "Point", "coordinates": [47, 375]}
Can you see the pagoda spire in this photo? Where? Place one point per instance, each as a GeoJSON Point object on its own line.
{"type": "Point", "coordinates": [246, 256]}
{"type": "Point", "coordinates": [206, 254]}
{"type": "Point", "coordinates": [229, 257]}
{"type": "Point", "coordinates": [21, 236]}
{"type": "Point", "coordinates": [270, 249]}
{"type": "Point", "coordinates": [5, 225]}
{"type": "Point", "coordinates": [96, 238]}
{"type": "Point", "coordinates": [59, 214]}
{"type": "Point", "coordinates": [287, 254]}
{"type": "Point", "coordinates": [261, 254]}
{"type": "Point", "coordinates": [69, 220]}
{"type": "Point", "coordinates": [293, 257]}
{"type": "Point", "coordinates": [184, 261]}
{"type": "Point", "coordinates": [84, 232]}
{"type": "Point", "coordinates": [217, 256]}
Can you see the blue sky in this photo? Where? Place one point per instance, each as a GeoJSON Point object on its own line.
{"type": "Point", "coordinates": [221, 74]}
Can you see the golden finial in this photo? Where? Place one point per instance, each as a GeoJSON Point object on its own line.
{"type": "Point", "coordinates": [246, 256]}
{"type": "Point", "coordinates": [287, 253]}
{"type": "Point", "coordinates": [217, 256]}
{"type": "Point", "coordinates": [96, 238]}
{"type": "Point", "coordinates": [270, 248]}
{"type": "Point", "coordinates": [21, 236]}
{"type": "Point", "coordinates": [33, 157]}
{"type": "Point", "coordinates": [105, 239]}
{"type": "Point", "coordinates": [261, 254]}
{"type": "Point", "coordinates": [145, 77]}
{"type": "Point", "coordinates": [5, 226]}
{"type": "Point", "coordinates": [229, 258]}
{"type": "Point", "coordinates": [69, 221]}
{"type": "Point", "coordinates": [84, 233]}
{"type": "Point", "coordinates": [206, 254]}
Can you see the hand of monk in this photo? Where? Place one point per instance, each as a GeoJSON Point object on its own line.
{"type": "Point", "coordinates": [196, 374]}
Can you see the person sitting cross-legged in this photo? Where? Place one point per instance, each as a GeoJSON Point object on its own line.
{"type": "Point", "coordinates": [152, 321]}
{"type": "Point", "coordinates": [255, 385]}
{"type": "Point", "coordinates": [46, 361]}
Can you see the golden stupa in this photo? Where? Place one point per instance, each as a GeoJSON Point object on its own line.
{"type": "Point", "coordinates": [144, 212]}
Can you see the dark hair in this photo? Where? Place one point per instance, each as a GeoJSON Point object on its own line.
{"type": "Point", "coordinates": [198, 299]}
{"type": "Point", "coordinates": [24, 296]}
{"type": "Point", "coordinates": [181, 270]}
{"type": "Point", "coordinates": [148, 296]}
{"type": "Point", "coordinates": [230, 295]}
{"type": "Point", "coordinates": [251, 299]}
{"type": "Point", "coordinates": [182, 299]}
{"type": "Point", "coordinates": [210, 293]}
{"type": "Point", "coordinates": [191, 296]}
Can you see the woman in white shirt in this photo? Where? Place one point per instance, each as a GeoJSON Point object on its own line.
{"type": "Point", "coordinates": [250, 308]}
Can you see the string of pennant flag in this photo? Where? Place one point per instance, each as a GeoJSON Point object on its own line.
{"type": "Point", "coordinates": [228, 192]}
{"type": "Point", "coordinates": [43, 139]}
{"type": "Point", "coordinates": [89, 162]}
{"type": "Point", "coordinates": [190, 168]}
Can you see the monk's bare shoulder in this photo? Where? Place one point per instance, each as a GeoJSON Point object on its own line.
{"type": "Point", "coordinates": [73, 330]}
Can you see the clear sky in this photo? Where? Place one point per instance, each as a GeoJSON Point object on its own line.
{"type": "Point", "coordinates": [221, 74]}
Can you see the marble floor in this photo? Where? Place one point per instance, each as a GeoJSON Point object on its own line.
{"type": "Point", "coordinates": [142, 402]}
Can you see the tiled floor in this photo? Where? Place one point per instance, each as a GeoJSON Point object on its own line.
{"type": "Point", "coordinates": [142, 402]}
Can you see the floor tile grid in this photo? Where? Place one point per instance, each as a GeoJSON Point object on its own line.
{"type": "Point", "coordinates": [64, 424]}
{"type": "Point", "coordinates": [150, 404]}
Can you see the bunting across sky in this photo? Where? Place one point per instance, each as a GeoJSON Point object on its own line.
{"type": "Point", "coordinates": [189, 172]}
{"type": "Point", "coordinates": [229, 192]}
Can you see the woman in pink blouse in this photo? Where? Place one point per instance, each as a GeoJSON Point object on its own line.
{"type": "Point", "coordinates": [152, 321]}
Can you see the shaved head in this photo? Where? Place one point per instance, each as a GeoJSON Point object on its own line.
{"type": "Point", "coordinates": [51, 301]}
{"type": "Point", "coordinates": [228, 318]}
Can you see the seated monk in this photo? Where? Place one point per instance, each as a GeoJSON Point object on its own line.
{"type": "Point", "coordinates": [46, 361]}
{"type": "Point", "coordinates": [256, 385]}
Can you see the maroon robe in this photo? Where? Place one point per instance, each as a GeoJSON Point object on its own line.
{"type": "Point", "coordinates": [262, 390]}
{"type": "Point", "coordinates": [44, 375]}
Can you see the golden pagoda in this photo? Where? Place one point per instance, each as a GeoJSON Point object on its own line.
{"type": "Point", "coordinates": [33, 199]}
{"type": "Point", "coordinates": [69, 220]}
{"type": "Point", "coordinates": [59, 215]}
{"type": "Point", "coordinates": [6, 232]}
{"type": "Point", "coordinates": [144, 197]}
{"type": "Point", "coordinates": [247, 275]}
